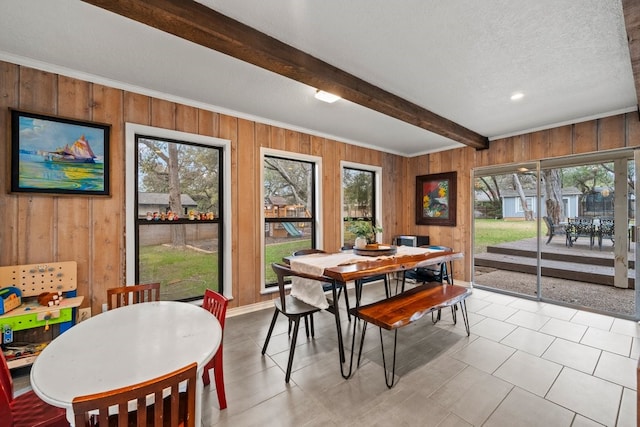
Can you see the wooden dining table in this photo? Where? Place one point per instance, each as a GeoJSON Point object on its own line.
{"type": "Point", "coordinates": [126, 346]}
{"type": "Point", "coordinates": [344, 267]}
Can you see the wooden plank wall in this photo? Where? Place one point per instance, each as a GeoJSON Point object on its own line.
{"type": "Point", "coordinates": [91, 230]}
{"type": "Point", "coordinates": [608, 133]}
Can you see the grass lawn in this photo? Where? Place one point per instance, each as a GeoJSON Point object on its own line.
{"type": "Point", "coordinates": [493, 231]}
{"type": "Point", "coordinates": [182, 273]}
{"type": "Point", "coordinates": [276, 251]}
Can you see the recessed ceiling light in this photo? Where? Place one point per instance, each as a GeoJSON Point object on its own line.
{"type": "Point", "coordinates": [326, 96]}
{"type": "Point", "coordinates": [517, 96]}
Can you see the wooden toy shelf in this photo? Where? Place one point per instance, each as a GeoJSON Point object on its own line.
{"type": "Point", "coordinates": [33, 280]}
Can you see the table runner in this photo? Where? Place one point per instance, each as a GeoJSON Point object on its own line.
{"type": "Point", "coordinates": [311, 292]}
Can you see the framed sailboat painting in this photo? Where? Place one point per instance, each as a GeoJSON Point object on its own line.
{"type": "Point", "coordinates": [58, 155]}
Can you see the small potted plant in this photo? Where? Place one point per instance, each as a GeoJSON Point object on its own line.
{"type": "Point", "coordinates": [365, 233]}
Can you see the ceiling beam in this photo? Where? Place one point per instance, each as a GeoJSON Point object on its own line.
{"type": "Point", "coordinates": [194, 22]}
{"type": "Point", "coordinates": [631, 9]}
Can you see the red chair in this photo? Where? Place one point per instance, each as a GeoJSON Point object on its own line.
{"type": "Point", "coordinates": [26, 410]}
{"type": "Point", "coordinates": [216, 304]}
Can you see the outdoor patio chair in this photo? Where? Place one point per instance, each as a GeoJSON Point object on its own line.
{"type": "Point", "coordinates": [581, 227]}
{"type": "Point", "coordinates": [555, 229]}
{"type": "Point", "coordinates": [605, 231]}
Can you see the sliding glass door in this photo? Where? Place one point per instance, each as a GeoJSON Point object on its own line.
{"type": "Point", "coordinates": [561, 230]}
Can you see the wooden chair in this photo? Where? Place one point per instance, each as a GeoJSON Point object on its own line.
{"type": "Point", "coordinates": [26, 410]}
{"type": "Point", "coordinates": [292, 308]}
{"type": "Point", "coordinates": [216, 304]}
{"type": "Point", "coordinates": [174, 409]}
{"type": "Point", "coordinates": [125, 295]}
{"type": "Point", "coordinates": [327, 286]}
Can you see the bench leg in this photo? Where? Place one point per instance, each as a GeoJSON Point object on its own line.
{"type": "Point", "coordinates": [364, 330]}
{"type": "Point", "coordinates": [389, 380]}
{"type": "Point", "coordinates": [465, 316]}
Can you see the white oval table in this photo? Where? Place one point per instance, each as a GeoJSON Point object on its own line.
{"type": "Point", "coordinates": [125, 346]}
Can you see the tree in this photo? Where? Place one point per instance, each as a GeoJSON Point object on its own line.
{"type": "Point", "coordinates": [528, 212]}
{"type": "Point", "coordinates": [358, 186]}
{"type": "Point", "coordinates": [552, 182]}
{"type": "Point", "coordinates": [291, 179]}
{"type": "Point", "coordinates": [179, 168]}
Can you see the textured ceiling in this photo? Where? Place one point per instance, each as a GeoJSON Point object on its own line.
{"type": "Point", "coordinates": [459, 59]}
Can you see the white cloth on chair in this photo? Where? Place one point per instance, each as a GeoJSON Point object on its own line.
{"type": "Point", "coordinates": [308, 290]}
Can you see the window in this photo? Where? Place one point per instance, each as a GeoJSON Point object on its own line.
{"type": "Point", "coordinates": [360, 197]}
{"type": "Point", "coordinates": [530, 204]}
{"type": "Point", "coordinates": [290, 189]}
{"type": "Point", "coordinates": [176, 209]}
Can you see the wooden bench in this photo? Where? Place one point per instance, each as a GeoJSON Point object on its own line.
{"type": "Point", "coordinates": [406, 308]}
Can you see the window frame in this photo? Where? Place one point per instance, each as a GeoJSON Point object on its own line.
{"type": "Point", "coordinates": [377, 191]}
{"type": "Point", "coordinates": [225, 218]}
{"type": "Point", "coordinates": [316, 238]}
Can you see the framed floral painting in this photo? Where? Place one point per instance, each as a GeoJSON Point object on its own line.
{"type": "Point", "coordinates": [436, 199]}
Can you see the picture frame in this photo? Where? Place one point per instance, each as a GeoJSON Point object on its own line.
{"type": "Point", "coordinates": [436, 199]}
{"type": "Point", "coordinates": [56, 155]}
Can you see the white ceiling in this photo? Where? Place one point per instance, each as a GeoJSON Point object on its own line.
{"type": "Point", "coordinates": [461, 59]}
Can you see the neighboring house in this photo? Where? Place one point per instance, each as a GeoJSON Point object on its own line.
{"type": "Point", "coordinates": [159, 202]}
{"type": "Point", "coordinates": [512, 208]}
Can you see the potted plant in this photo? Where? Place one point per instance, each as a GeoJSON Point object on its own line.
{"type": "Point", "coordinates": [364, 231]}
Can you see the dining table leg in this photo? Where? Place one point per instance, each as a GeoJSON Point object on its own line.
{"type": "Point", "coordinates": [346, 374]}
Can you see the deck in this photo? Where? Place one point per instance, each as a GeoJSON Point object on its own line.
{"type": "Point", "coordinates": [558, 260]}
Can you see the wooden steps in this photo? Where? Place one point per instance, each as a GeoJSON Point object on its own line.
{"type": "Point", "coordinates": [590, 266]}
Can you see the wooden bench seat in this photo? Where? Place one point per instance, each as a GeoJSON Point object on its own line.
{"type": "Point", "coordinates": [406, 308]}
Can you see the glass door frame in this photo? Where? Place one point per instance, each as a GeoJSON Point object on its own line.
{"type": "Point", "coordinates": [538, 166]}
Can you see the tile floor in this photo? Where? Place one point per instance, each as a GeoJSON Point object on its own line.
{"type": "Point", "coordinates": [525, 364]}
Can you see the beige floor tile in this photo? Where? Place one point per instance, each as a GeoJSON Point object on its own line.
{"type": "Point", "coordinates": [498, 311]}
{"type": "Point", "coordinates": [617, 369]}
{"type": "Point", "coordinates": [626, 327]}
{"type": "Point", "coordinates": [574, 355]}
{"type": "Point", "coordinates": [472, 395]}
{"type": "Point", "coordinates": [527, 305]}
{"type": "Point", "coordinates": [581, 421]}
{"type": "Point", "coordinates": [501, 299]}
{"type": "Point", "coordinates": [594, 320]}
{"type": "Point", "coordinates": [558, 312]}
{"type": "Point", "coordinates": [528, 340]}
{"type": "Point", "coordinates": [528, 319]}
{"type": "Point", "coordinates": [564, 329]}
{"type": "Point", "coordinates": [492, 329]}
{"type": "Point", "coordinates": [627, 416]}
{"type": "Point", "coordinates": [591, 397]}
{"type": "Point", "coordinates": [474, 304]}
{"type": "Point", "coordinates": [523, 409]}
{"type": "Point", "coordinates": [635, 348]}
{"type": "Point", "coordinates": [609, 341]}
{"type": "Point", "coordinates": [529, 372]}
{"type": "Point", "coordinates": [484, 354]}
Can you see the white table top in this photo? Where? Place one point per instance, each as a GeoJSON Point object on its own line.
{"type": "Point", "coordinates": [124, 346]}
